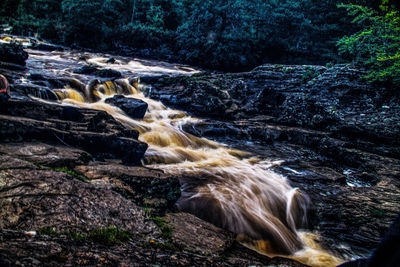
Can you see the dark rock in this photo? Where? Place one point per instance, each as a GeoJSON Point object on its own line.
{"type": "Point", "coordinates": [134, 108]}
{"type": "Point", "coordinates": [72, 114]}
{"type": "Point", "coordinates": [19, 248]}
{"type": "Point", "coordinates": [95, 71]}
{"type": "Point", "coordinates": [111, 60]}
{"type": "Point", "coordinates": [108, 73]}
{"type": "Point", "coordinates": [13, 53]}
{"type": "Point", "coordinates": [11, 66]}
{"type": "Point", "coordinates": [84, 57]}
{"type": "Point", "coordinates": [35, 199]}
{"type": "Point", "coordinates": [87, 69]}
{"type": "Point", "coordinates": [45, 155]}
{"type": "Point", "coordinates": [30, 120]}
{"type": "Point", "coordinates": [146, 187]}
{"type": "Point", "coordinates": [193, 234]}
{"type": "Point", "coordinates": [47, 47]}
{"type": "Point", "coordinates": [33, 90]}
{"type": "Point", "coordinates": [335, 99]}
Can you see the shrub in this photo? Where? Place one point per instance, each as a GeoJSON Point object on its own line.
{"type": "Point", "coordinates": [377, 45]}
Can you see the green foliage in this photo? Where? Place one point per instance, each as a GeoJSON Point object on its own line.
{"type": "Point", "coordinates": [166, 230]}
{"type": "Point", "coordinates": [228, 35]}
{"type": "Point", "coordinates": [49, 231]}
{"type": "Point", "coordinates": [377, 45]}
{"type": "Point", "coordinates": [108, 236]}
{"type": "Point", "coordinates": [378, 213]}
{"type": "Point", "coordinates": [73, 173]}
{"type": "Point", "coordinates": [309, 74]}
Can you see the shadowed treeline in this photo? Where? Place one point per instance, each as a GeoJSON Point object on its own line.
{"type": "Point", "coordinates": [227, 35]}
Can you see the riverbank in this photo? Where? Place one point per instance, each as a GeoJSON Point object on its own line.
{"type": "Point", "coordinates": [324, 130]}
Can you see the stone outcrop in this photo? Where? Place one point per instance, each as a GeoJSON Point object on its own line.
{"type": "Point", "coordinates": [336, 137]}
{"type": "Point", "coordinates": [214, 239]}
{"type": "Point", "coordinates": [33, 199]}
{"type": "Point", "coordinates": [95, 131]}
{"type": "Point", "coordinates": [21, 249]}
{"type": "Point", "coordinates": [148, 188]}
{"type": "Point", "coordinates": [133, 107]}
{"type": "Point", "coordinates": [335, 99]}
{"type": "Point", "coordinates": [95, 71]}
{"type": "Point", "coordinates": [13, 53]}
{"type": "Point", "coordinates": [48, 213]}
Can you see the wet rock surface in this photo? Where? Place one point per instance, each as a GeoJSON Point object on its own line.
{"type": "Point", "coordinates": [134, 108]}
{"type": "Point", "coordinates": [333, 135]}
{"type": "Point", "coordinates": [47, 214]}
{"type": "Point", "coordinates": [329, 132]}
{"type": "Point", "coordinates": [149, 188]}
{"type": "Point", "coordinates": [13, 53]}
{"type": "Point", "coordinates": [43, 155]}
{"type": "Point", "coordinates": [95, 131]}
{"type": "Point", "coordinates": [36, 199]}
{"type": "Point", "coordinates": [95, 71]}
{"type": "Point", "coordinates": [21, 249]}
{"type": "Point", "coordinates": [214, 239]}
{"type": "Point", "coordinates": [334, 99]}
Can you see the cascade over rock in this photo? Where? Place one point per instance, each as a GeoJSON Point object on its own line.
{"type": "Point", "coordinates": [297, 161]}
{"type": "Point", "coordinates": [134, 108]}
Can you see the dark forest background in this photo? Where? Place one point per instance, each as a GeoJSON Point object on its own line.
{"type": "Point", "coordinates": [218, 34]}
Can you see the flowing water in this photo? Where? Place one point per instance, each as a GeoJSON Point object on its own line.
{"type": "Point", "coordinates": [227, 187]}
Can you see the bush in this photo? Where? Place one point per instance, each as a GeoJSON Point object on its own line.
{"type": "Point", "coordinates": [377, 45]}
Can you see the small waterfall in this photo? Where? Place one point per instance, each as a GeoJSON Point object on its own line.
{"type": "Point", "coordinates": [69, 94]}
{"type": "Point", "coordinates": [224, 186]}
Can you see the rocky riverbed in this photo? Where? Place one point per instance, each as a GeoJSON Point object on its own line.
{"type": "Point", "coordinates": [336, 135]}
{"type": "Point", "coordinates": [73, 189]}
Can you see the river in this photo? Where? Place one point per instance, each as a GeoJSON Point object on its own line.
{"type": "Point", "coordinates": [231, 188]}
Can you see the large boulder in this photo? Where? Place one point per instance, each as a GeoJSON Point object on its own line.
{"type": "Point", "coordinates": [13, 53]}
{"type": "Point", "coordinates": [194, 234]}
{"type": "Point", "coordinates": [150, 188]}
{"type": "Point", "coordinates": [133, 107]}
{"type": "Point", "coordinates": [35, 198]}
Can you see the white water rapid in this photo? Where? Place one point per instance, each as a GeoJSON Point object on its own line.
{"type": "Point", "coordinates": [224, 186]}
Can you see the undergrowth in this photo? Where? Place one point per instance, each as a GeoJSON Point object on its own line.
{"type": "Point", "coordinates": [108, 236]}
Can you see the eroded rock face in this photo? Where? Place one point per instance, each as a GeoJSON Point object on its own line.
{"type": "Point", "coordinates": [333, 99]}
{"type": "Point", "coordinates": [42, 154]}
{"type": "Point", "coordinates": [13, 53]}
{"type": "Point", "coordinates": [335, 136]}
{"type": "Point", "coordinates": [34, 199]}
{"type": "Point", "coordinates": [55, 251]}
{"type": "Point", "coordinates": [134, 108]}
{"type": "Point", "coordinates": [205, 238]}
{"type": "Point", "coordinates": [148, 188]}
{"type": "Point", "coordinates": [95, 131]}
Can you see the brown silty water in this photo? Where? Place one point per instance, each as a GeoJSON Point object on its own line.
{"type": "Point", "coordinates": [224, 186]}
{"type": "Point", "coordinates": [227, 187]}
